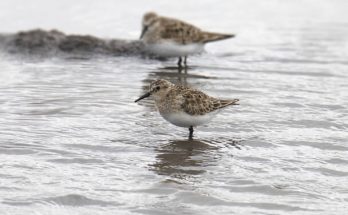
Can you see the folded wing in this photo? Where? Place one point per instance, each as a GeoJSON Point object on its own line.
{"type": "Point", "coordinates": [195, 102]}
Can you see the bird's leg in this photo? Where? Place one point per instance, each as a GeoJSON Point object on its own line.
{"type": "Point", "coordinates": [191, 133]}
{"type": "Point", "coordinates": [185, 61]}
{"type": "Point", "coordinates": [179, 62]}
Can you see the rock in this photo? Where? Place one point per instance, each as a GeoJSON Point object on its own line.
{"type": "Point", "coordinates": [47, 43]}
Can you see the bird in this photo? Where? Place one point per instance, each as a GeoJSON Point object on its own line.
{"type": "Point", "coordinates": [170, 37]}
{"type": "Point", "coordinates": [184, 106]}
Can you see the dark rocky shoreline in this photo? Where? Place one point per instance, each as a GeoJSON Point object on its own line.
{"type": "Point", "coordinates": [54, 42]}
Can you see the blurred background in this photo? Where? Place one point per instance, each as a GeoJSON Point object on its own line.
{"type": "Point", "coordinates": [72, 141]}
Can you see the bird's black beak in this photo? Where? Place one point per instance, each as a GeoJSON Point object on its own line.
{"type": "Point", "coordinates": [143, 31]}
{"type": "Point", "coordinates": [143, 96]}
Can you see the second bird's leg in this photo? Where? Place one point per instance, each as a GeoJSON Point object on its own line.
{"type": "Point", "coordinates": [179, 62]}
{"type": "Point", "coordinates": [191, 133]}
{"type": "Point", "coordinates": [185, 61]}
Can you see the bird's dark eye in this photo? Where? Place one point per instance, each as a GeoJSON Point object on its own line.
{"type": "Point", "coordinates": [158, 88]}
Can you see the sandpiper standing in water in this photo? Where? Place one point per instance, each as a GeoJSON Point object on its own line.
{"type": "Point", "coordinates": [168, 37]}
{"type": "Point", "coordinates": [184, 106]}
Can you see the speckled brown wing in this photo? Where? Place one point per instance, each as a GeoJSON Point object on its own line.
{"type": "Point", "coordinates": [179, 31]}
{"type": "Point", "coordinates": [196, 102]}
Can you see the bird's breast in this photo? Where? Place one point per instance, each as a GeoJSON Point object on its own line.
{"type": "Point", "coordinates": [183, 119]}
{"type": "Point", "coordinates": [173, 49]}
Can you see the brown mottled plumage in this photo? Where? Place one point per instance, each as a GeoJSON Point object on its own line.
{"type": "Point", "coordinates": [191, 101]}
{"type": "Point", "coordinates": [166, 28]}
{"type": "Point", "coordinates": [184, 106]}
{"type": "Point", "coordinates": [159, 30]}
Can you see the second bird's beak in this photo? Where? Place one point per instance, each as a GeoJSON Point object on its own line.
{"type": "Point", "coordinates": [143, 96]}
{"type": "Point", "coordinates": [143, 32]}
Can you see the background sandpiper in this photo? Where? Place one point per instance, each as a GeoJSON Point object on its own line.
{"type": "Point", "coordinates": [168, 37]}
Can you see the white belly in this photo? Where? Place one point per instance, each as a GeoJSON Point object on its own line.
{"type": "Point", "coordinates": [182, 119]}
{"type": "Point", "coordinates": [170, 49]}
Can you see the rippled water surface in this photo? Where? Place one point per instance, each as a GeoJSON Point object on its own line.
{"type": "Point", "coordinates": [72, 141]}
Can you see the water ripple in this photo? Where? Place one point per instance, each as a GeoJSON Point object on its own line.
{"type": "Point", "coordinates": [74, 142]}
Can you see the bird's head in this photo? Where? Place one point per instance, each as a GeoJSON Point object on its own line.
{"type": "Point", "coordinates": [149, 19]}
{"type": "Point", "coordinates": [158, 89]}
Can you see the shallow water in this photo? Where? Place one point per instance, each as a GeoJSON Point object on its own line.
{"type": "Point", "coordinates": [74, 142]}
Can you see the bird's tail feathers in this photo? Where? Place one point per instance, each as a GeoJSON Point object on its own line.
{"type": "Point", "coordinates": [224, 103]}
{"type": "Point", "coordinates": [211, 37]}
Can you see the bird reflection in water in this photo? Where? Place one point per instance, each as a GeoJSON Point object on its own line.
{"type": "Point", "coordinates": [183, 159]}
{"type": "Point", "coordinates": [176, 75]}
